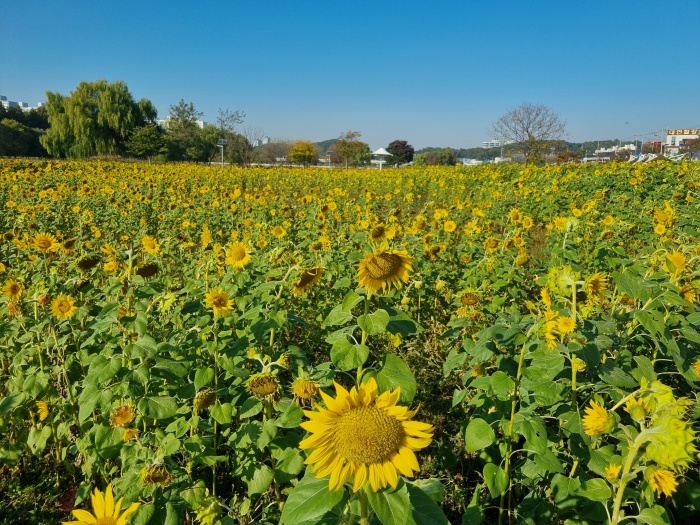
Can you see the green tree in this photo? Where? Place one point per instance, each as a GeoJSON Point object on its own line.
{"type": "Point", "coordinates": [303, 152]}
{"type": "Point", "coordinates": [146, 141]}
{"type": "Point", "coordinates": [349, 148]}
{"type": "Point", "coordinates": [442, 157]}
{"type": "Point", "coordinates": [95, 119]}
{"type": "Point", "coordinates": [401, 152]}
{"type": "Point", "coordinates": [532, 127]}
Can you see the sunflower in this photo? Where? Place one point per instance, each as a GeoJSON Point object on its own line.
{"type": "Point", "coordinates": [45, 242]}
{"type": "Point", "coordinates": [696, 367]}
{"type": "Point", "coordinates": [491, 244]}
{"type": "Point", "coordinates": [13, 289]}
{"type": "Point", "coordinates": [204, 399]}
{"type": "Point", "coordinates": [305, 390]}
{"type": "Point", "coordinates": [306, 280]}
{"type": "Point", "coordinates": [677, 260]}
{"type": "Point", "coordinates": [88, 262]}
{"type": "Point", "coordinates": [42, 409]}
{"type": "Point", "coordinates": [597, 420]}
{"type": "Point", "coordinates": [364, 436]}
{"type": "Point", "coordinates": [377, 233]}
{"type": "Point", "coordinates": [661, 480]}
{"type": "Point", "coordinates": [156, 473]}
{"type": "Point", "coordinates": [383, 269]}
{"type": "Point", "coordinates": [263, 385]}
{"type": "Point", "coordinates": [218, 301]}
{"type": "Point", "coordinates": [237, 255]}
{"type": "Point", "coordinates": [147, 270]}
{"type": "Point", "coordinates": [150, 245]}
{"type": "Point", "coordinates": [105, 510]}
{"type": "Point", "coordinates": [528, 223]}
{"type": "Point", "coordinates": [121, 416]}
{"type": "Point", "coordinates": [612, 471]}
{"type": "Point", "coordinates": [129, 434]}
{"type": "Point", "coordinates": [659, 229]}
{"type": "Point", "coordinates": [595, 287]}
{"type": "Point", "coordinates": [278, 232]}
{"type": "Point", "coordinates": [449, 226]}
{"type": "Point", "coordinates": [63, 307]}
{"type": "Point", "coordinates": [566, 325]}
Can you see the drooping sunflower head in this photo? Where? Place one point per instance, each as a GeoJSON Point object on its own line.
{"type": "Point", "coordinates": [306, 280]}
{"type": "Point", "coordinates": [147, 270]}
{"type": "Point", "coordinates": [121, 416]}
{"type": "Point", "coordinates": [365, 436]}
{"type": "Point", "coordinates": [218, 301]}
{"type": "Point", "coordinates": [661, 480]}
{"type": "Point", "coordinates": [13, 289]}
{"type": "Point", "coordinates": [63, 307]}
{"type": "Point", "coordinates": [45, 243]}
{"type": "Point", "coordinates": [383, 269]}
{"type": "Point", "coordinates": [263, 385]}
{"type": "Point", "coordinates": [305, 390]}
{"type": "Point", "coordinates": [88, 262]}
{"type": "Point", "coordinates": [237, 255]}
{"type": "Point", "coordinates": [204, 399]}
{"type": "Point", "coordinates": [156, 473]}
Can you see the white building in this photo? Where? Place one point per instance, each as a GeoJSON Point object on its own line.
{"type": "Point", "coordinates": [493, 143]}
{"type": "Point", "coordinates": [676, 138]}
{"type": "Point", "coordinates": [163, 123]}
{"type": "Point", "coordinates": [22, 105]}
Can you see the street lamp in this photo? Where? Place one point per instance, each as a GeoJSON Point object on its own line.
{"type": "Point", "coordinates": [221, 143]}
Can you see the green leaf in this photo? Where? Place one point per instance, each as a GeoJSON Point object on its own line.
{"type": "Point", "coordinates": [390, 505]}
{"type": "Point", "coordinates": [203, 377]}
{"type": "Point", "coordinates": [655, 515]}
{"type": "Point", "coordinates": [402, 323]}
{"type": "Point", "coordinates": [395, 373]}
{"type": "Point", "coordinates": [374, 323]}
{"type": "Point", "coordinates": [291, 414]}
{"type": "Point", "coordinates": [595, 489]}
{"type": "Point", "coordinates": [288, 465]}
{"type": "Point", "coordinates": [478, 435]}
{"type": "Point", "coordinates": [310, 500]}
{"type": "Point", "coordinates": [261, 480]}
{"type": "Point", "coordinates": [351, 300]}
{"type": "Point", "coordinates": [564, 492]}
{"type": "Point", "coordinates": [37, 439]}
{"type": "Point", "coordinates": [222, 413]}
{"type": "Point", "coordinates": [424, 510]}
{"type": "Point", "coordinates": [473, 515]}
{"type": "Point", "coordinates": [251, 407]}
{"type": "Point", "coordinates": [108, 441]}
{"type": "Point", "coordinates": [496, 479]}
{"type": "Point", "coordinates": [9, 403]}
{"type": "Point", "coordinates": [347, 356]}
{"type": "Point", "coordinates": [160, 407]}
{"type": "Point", "coordinates": [338, 316]}
{"type": "Point", "coordinates": [195, 496]}
{"type": "Point", "coordinates": [501, 383]}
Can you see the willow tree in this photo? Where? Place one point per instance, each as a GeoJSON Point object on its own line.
{"type": "Point", "coordinates": [95, 119]}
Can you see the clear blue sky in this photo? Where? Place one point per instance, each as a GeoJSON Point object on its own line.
{"type": "Point", "coordinates": [432, 73]}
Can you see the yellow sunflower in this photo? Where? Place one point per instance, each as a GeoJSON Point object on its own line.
{"type": "Point", "coordinates": [121, 416]}
{"type": "Point", "coordinates": [150, 245]}
{"type": "Point", "coordinates": [13, 289]}
{"type": "Point", "coordinates": [305, 390]}
{"type": "Point", "coordinates": [383, 269]}
{"type": "Point", "coordinates": [63, 307]}
{"type": "Point", "coordinates": [105, 510]}
{"type": "Point", "coordinates": [218, 301]}
{"type": "Point", "coordinates": [237, 255]}
{"type": "Point", "coordinates": [612, 471]}
{"type": "Point", "coordinates": [661, 480]}
{"type": "Point", "coordinates": [363, 435]}
{"type": "Point", "coordinates": [596, 285]}
{"type": "Point", "coordinates": [597, 420]}
{"type": "Point", "coordinates": [42, 408]}
{"type": "Point", "coordinates": [566, 325]}
{"type": "Point", "coordinates": [45, 242]}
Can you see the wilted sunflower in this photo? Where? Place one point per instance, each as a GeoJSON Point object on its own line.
{"type": "Point", "coordinates": [218, 301]}
{"type": "Point", "coordinates": [363, 435]}
{"type": "Point", "coordinates": [305, 390]}
{"type": "Point", "coordinates": [121, 416]}
{"type": "Point", "coordinates": [306, 280]}
{"type": "Point", "coordinates": [45, 242]}
{"type": "Point", "coordinates": [13, 289]}
{"type": "Point", "coordinates": [147, 270]}
{"type": "Point", "coordinates": [156, 473]}
{"type": "Point", "coordinates": [383, 269]}
{"type": "Point", "coordinates": [491, 244]}
{"type": "Point", "coordinates": [204, 399]}
{"type": "Point", "coordinates": [263, 385]}
{"type": "Point", "coordinates": [237, 255]}
{"type": "Point", "coordinates": [87, 262]}
{"type": "Point", "coordinates": [105, 510]}
{"type": "Point", "coordinates": [597, 420]}
{"type": "Point", "coordinates": [63, 307]}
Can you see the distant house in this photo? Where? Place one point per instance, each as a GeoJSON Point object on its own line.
{"type": "Point", "coordinates": [676, 138]}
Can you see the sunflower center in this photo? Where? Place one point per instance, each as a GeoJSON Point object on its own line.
{"type": "Point", "coordinates": [237, 253]}
{"type": "Point", "coordinates": [384, 266]}
{"type": "Point", "coordinates": [43, 244]}
{"type": "Point", "coordinates": [107, 520]}
{"type": "Point", "coordinates": [63, 306]}
{"type": "Point", "coordinates": [368, 434]}
{"type": "Point", "coordinates": [219, 301]}
{"type": "Point", "coordinates": [377, 232]}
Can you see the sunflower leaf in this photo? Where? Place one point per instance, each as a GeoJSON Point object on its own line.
{"type": "Point", "coordinates": [311, 500]}
{"type": "Point", "coordinates": [391, 505]}
{"type": "Point", "coordinates": [395, 373]}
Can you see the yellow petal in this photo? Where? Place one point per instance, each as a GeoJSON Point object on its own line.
{"type": "Point", "coordinates": [390, 474]}
{"type": "Point", "coordinates": [84, 516]}
{"type": "Point", "coordinates": [109, 503]}
{"type": "Point", "coordinates": [360, 478]}
{"type": "Point", "coordinates": [98, 504]}
{"type": "Point", "coordinates": [127, 513]}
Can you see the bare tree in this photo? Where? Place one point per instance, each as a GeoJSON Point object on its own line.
{"type": "Point", "coordinates": [228, 119]}
{"type": "Point", "coordinates": [531, 127]}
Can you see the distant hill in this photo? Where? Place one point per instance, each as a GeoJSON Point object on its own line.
{"type": "Point", "coordinates": [324, 145]}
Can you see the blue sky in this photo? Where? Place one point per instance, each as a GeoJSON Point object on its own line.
{"type": "Point", "coordinates": [431, 73]}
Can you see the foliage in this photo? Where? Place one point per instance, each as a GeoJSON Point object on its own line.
{"type": "Point", "coordinates": [157, 321]}
{"type": "Point", "coordinates": [350, 150]}
{"type": "Point", "coordinates": [401, 152]}
{"type": "Point", "coordinates": [303, 152]}
{"type": "Point", "coordinates": [146, 141]}
{"type": "Point", "coordinates": [438, 157]}
{"type": "Point", "coordinates": [95, 119]}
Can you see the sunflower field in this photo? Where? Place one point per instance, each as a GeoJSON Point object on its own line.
{"type": "Point", "coordinates": [184, 344]}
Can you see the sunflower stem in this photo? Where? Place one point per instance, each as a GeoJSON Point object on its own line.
{"type": "Point", "coordinates": [631, 455]}
{"type": "Point", "coordinates": [364, 518]}
{"type": "Point", "coordinates": [364, 334]}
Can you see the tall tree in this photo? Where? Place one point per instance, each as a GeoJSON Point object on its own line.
{"type": "Point", "coordinates": [349, 148]}
{"type": "Point", "coordinates": [95, 119]}
{"type": "Point", "coordinates": [531, 127]}
{"type": "Point", "coordinates": [183, 131]}
{"type": "Point", "coordinates": [303, 152]}
{"type": "Point", "coordinates": [401, 152]}
{"type": "Point", "coordinates": [146, 141]}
